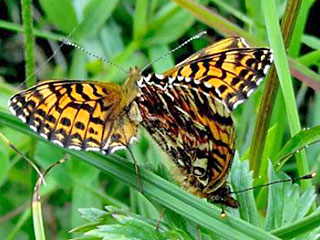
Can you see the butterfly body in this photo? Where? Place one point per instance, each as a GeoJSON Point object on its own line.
{"type": "Point", "coordinates": [187, 110]}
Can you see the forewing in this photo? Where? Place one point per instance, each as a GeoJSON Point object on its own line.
{"type": "Point", "coordinates": [220, 46]}
{"type": "Point", "coordinates": [73, 114]}
{"type": "Point", "coordinates": [231, 74]}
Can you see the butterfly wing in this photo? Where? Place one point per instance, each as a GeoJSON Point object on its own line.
{"type": "Point", "coordinates": [229, 69]}
{"type": "Point", "coordinates": [75, 114]}
{"type": "Point", "coordinates": [187, 109]}
{"type": "Point", "coordinates": [220, 46]}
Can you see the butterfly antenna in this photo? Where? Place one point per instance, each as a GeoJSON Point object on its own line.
{"type": "Point", "coordinates": [52, 56]}
{"type": "Point", "coordinates": [72, 44]}
{"type": "Point", "coordinates": [292, 180]}
{"type": "Point", "coordinates": [197, 36]}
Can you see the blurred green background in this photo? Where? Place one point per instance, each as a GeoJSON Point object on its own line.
{"type": "Point", "coordinates": [133, 33]}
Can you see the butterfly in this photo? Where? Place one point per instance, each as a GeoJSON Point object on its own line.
{"type": "Point", "coordinates": [187, 110]}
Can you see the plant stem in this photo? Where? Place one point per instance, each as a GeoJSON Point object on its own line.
{"type": "Point", "coordinates": [263, 120]}
{"type": "Point", "coordinates": [227, 28]}
{"type": "Point", "coordinates": [28, 42]}
{"type": "Point", "coordinates": [36, 32]}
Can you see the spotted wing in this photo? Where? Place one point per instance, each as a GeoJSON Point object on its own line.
{"type": "Point", "coordinates": [188, 109]}
{"type": "Point", "coordinates": [76, 114]}
{"type": "Point", "coordinates": [193, 127]}
{"type": "Point", "coordinates": [229, 69]}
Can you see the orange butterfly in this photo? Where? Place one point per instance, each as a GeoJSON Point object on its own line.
{"type": "Point", "coordinates": [186, 109]}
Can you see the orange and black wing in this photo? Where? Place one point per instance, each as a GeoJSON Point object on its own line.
{"type": "Point", "coordinates": [188, 109]}
{"type": "Point", "coordinates": [75, 114]}
{"type": "Point", "coordinates": [229, 69]}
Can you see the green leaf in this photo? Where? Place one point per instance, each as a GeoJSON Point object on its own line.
{"type": "Point", "coordinates": [241, 178]}
{"type": "Point", "coordinates": [298, 228]}
{"type": "Point", "coordinates": [4, 161]}
{"type": "Point", "coordinates": [95, 14]}
{"type": "Point", "coordinates": [91, 214]}
{"type": "Point", "coordinates": [163, 64]}
{"type": "Point", "coordinates": [120, 224]}
{"type": "Point", "coordinates": [299, 28]}
{"type": "Point", "coordinates": [282, 67]}
{"type": "Point", "coordinates": [311, 41]}
{"type": "Point", "coordinates": [166, 33]}
{"type": "Point", "coordinates": [140, 19]}
{"type": "Point", "coordinates": [285, 205]}
{"type": "Point", "coordinates": [61, 13]}
{"type": "Point", "coordinates": [301, 140]}
{"type": "Point", "coordinates": [160, 190]}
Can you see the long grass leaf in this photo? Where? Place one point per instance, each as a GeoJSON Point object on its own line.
{"type": "Point", "coordinates": [158, 189]}
{"type": "Point", "coordinates": [282, 67]}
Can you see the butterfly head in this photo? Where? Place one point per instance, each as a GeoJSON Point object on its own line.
{"type": "Point", "coordinates": [130, 87]}
{"type": "Point", "coordinates": [223, 196]}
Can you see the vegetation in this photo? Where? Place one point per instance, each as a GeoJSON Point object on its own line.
{"type": "Point", "coordinates": [97, 195]}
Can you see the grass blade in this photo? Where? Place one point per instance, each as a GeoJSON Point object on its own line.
{"type": "Point", "coordinates": [282, 67]}
{"type": "Point", "coordinates": [299, 141]}
{"type": "Point", "coordinates": [158, 189]}
{"type": "Point", "coordinates": [270, 92]}
{"type": "Point", "coordinates": [28, 42]}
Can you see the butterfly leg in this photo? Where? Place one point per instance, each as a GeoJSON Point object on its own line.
{"type": "Point", "coordinates": [137, 170]}
{"type": "Point", "coordinates": [161, 215]}
{"type": "Point", "coordinates": [126, 143]}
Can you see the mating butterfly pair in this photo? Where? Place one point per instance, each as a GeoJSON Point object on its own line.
{"type": "Point", "coordinates": [187, 110]}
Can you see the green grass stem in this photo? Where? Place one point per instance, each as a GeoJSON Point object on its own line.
{"type": "Point", "coordinates": [282, 67]}
{"type": "Point", "coordinates": [36, 32]}
{"type": "Point", "coordinates": [160, 190]}
{"type": "Point", "coordinates": [270, 93]}
{"type": "Point", "coordinates": [28, 42]}
{"type": "Point", "coordinates": [226, 28]}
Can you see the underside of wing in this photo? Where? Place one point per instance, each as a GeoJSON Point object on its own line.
{"type": "Point", "coordinates": [193, 127]}
{"type": "Point", "coordinates": [229, 69]}
{"type": "Point", "coordinates": [220, 46]}
{"type": "Point", "coordinates": [75, 114]}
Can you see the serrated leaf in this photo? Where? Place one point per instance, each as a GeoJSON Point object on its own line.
{"type": "Point", "coordinates": [285, 205]}
{"type": "Point", "coordinates": [126, 225]}
{"type": "Point", "coordinates": [275, 200]}
{"type": "Point", "coordinates": [241, 178]}
{"type": "Point", "coordinates": [91, 214]}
